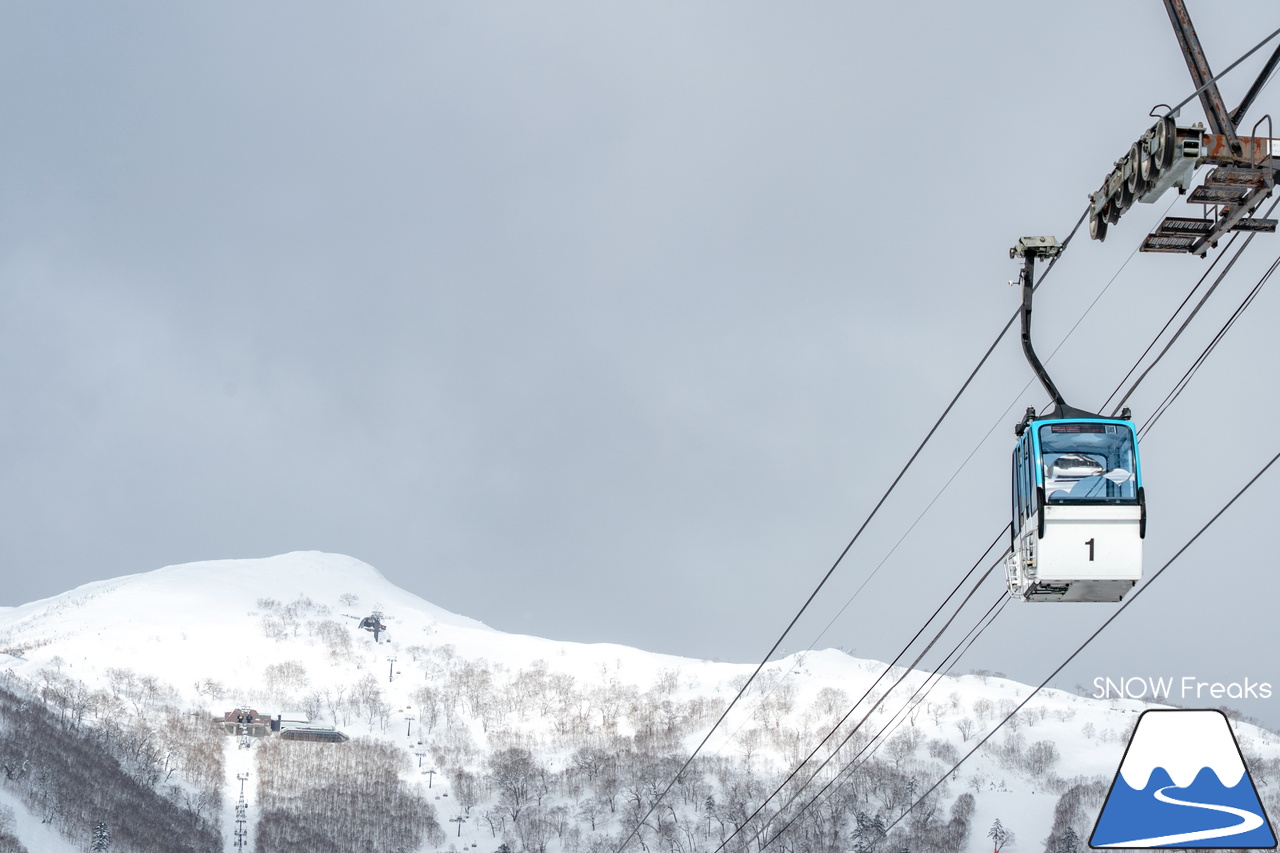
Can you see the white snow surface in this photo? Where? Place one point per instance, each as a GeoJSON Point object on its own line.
{"type": "Point", "coordinates": [35, 835]}
{"type": "Point", "coordinates": [190, 623]}
{"type": "Point", "coordinates": [202, 620]}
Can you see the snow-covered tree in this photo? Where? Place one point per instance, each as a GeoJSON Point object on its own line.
{"type": "Point", "coordinates": [869, 833]}
{"type": "Point", "coordinates": [999, 835]}
{"type": "Point", "coordinates": [101, 837]}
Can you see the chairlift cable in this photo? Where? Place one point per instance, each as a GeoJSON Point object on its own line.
{"type": "Point", "coordinates": [874, 511]}
{"type": "Point", "coordinates": [888, 669]}
{"type": "Point", "coordinates": [1209, 348]}
{"type": "Point", "coordinates": [967, 459]}
{"type": "Point", "coordinates": [1121, 609]}
{"type": "Point", "coordinates": [1146, 426]}
{"type": "Point", "coordinates": [1223, 73]}
{"type": "Point", "coordinates": [1193, 313]}
{"type": "Point", "coordinates": [976, 447]}
{"type": "Point", "coordinates": [982, 362]}
{"type": "Point", "coordinates": [932, 680]}
{"type": "Point", "coordinates": [1179, 387]}
{"type": "Point", "coordinates": [1203, 277]}
{"type": "Point", "coordinates": [893, 485]}
{"type": "Point", "coordinates": [872, 743]}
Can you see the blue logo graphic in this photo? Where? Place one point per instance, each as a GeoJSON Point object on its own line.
{"type": "Point", "coordinates": [1183, 783]}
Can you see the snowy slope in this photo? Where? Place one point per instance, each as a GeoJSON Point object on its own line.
{"type": "Point", "coordinates": [36, 836]}
{"type": "Point", "coordinates": [203, 619]}
{"type": "Point", "coordinates": [231, 621]}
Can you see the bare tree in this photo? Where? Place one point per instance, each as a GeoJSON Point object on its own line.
{"type": "Point", "coordinates": [335, 798]}
{"type": "Point", "coordinates": [1041, 756]}
{"type": "Point", "coordinates": [466, 788]}
{"type": "Point", "coordinates": [591, 810]}
{"type": "Point", "coordinates": [427, 701]}
{"type": "Point", "coordinates": [517, 777]}
{"type": "Point", "coordinates": [285, 677]}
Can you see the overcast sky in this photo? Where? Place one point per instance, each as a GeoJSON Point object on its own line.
{"type": "Point", "coordinates": [610, 322]}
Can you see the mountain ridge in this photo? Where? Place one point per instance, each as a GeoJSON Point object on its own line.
{"type": "Point", "coordinates": [282, 633]}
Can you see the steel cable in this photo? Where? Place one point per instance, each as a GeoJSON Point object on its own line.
{"type": "Point", "coordinates": [839, 559]}
{"type": "Point", "coordinates": [1121, 609]}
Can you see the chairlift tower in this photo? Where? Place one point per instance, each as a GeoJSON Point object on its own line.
{"type": "Point", "coordinates": [373, 622]}
{"type": "Point", "coordinates": [1168, 154]}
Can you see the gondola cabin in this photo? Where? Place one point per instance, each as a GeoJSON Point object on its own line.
{"type": "Point", "coordinates": [1079, 511]}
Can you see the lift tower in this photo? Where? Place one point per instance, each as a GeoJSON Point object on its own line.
{"type": "Point", "coordinates": [1168, 155]}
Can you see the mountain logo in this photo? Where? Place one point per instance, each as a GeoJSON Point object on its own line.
{"type": "Point", "coordinates": [1183, 783]}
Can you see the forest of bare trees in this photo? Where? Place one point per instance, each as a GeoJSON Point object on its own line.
{"type": "Point", "coordinates": [530, 760]}
{"type": "Point", "coordinates": [336, 798]}
{"type": "Point", "coordinates": [541, 762]}
{"type": "Point", "coordinates": [9, 842]}
{"type": "Point", "coordinates": [75, 775]}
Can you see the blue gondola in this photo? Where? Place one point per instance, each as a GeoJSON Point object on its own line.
{"type": "Point", "coordinates": [1079, 509]}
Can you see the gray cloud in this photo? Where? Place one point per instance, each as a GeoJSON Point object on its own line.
{"type": "Point", "coordinates": [599, 322]}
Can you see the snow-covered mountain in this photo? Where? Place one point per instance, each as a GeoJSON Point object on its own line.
{"type": "Point", "coordinates": [604, 726]}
